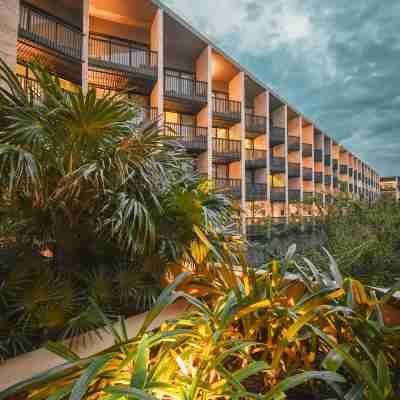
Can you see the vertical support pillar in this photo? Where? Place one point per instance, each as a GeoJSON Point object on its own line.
{"type": "Point", "coordinates": [301, 169]}
{"type": "Point", "coordinates": [323, 170]}
{"type": "Point", "coordinates": [85, 45]}
{"type": "Point", "coordinates": [268, 147]}
{"type": "Point", "coordinates": [286, 165]}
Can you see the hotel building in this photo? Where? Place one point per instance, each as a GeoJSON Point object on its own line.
{"type": "Point", "coordinates": [390, 187]}
{"type": "Point", "coordinates": [273, 160]}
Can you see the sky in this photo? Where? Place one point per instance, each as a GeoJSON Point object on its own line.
{"type": "Point", "coordinates": [337, 61]}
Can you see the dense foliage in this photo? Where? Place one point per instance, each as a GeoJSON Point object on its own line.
{"type": "Point", "coordinates": [250, 336]}
{"type": "Point", "coordinates": [94, 204]}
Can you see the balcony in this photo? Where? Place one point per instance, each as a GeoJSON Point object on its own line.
{"type": "Point", "coordinates": [276, 136]}
{"type": "Point", "coordinates": [317, 155]}
{"type": "Point", "coordinates": [255, 125]}
{"type": "Point", "coordinates": [278, 165]}
{"type": "Point", "coordinates": [51, 41]}
{"type": "Point", "coordinates": [328, 180]}
{"type": "Point", "coordinates": [307, 174]}
{"type": "Point", "coordinates": [307, 150]}
{"type": "Point", "coordinates": [231, 186]}
{"type": "Point", "coordinates": [318, 177]}
{"type": "Point", "coordinates": [335, 181]}
{"type": "Point", "coordinates": [335, 164]}
{"type": "Point", "coordinates": [293, 143]}
{"type": "Point", "coordinates": [278, 194]}
{"type": "Point", "coordinates": [31, 87]}
{"type": "Point", "coordinates": [350, 171]}
{"type": "Point", "coordinates": [150, 114]}
{"type": "Point", "coordinates": [294, 195]}
{"type": "Point", "coordinates": [308, 196]}
{"type": "Point", "coordinates": [194, 138]}
{"type": "Point", "coordinates": [328, 160]}
{"type": "Point", "coordinates": [226, 112]}
{"type": "Point", "coordinates": [226, 150]}
{"type": "Point", "coordinates": [256, 227]}
{"type": "Point", "coordinates": [256, 191]}
{"type": "Point", "coordinates": [256, 159]}
{"type": "Point", "coordinates": [190, 91]}
{"type": "Point", "coordinates": [294, 170]}
{"type": "Point", "coordinates": [344, 169]}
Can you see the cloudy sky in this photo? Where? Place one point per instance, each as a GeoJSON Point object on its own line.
{"type": "Point", "coordinates": [337, 61]}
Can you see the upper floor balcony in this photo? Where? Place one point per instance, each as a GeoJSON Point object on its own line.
{"type": "Point", "coordinates": [293, 143]}
{"type": "Point", "coordinates": [255, 125]}
{"type": "Point", "coordinates": [187, 90]}
{"type": "Point", "coordinates": [256, 191]}
{"type": "Point", "coordinates": [328, 180]}
{"type": "Point", "coordinates": [318, 177]}
{"type": "Point", "coordinates": [328, 160]}
{"type": "Point", "coordinates": [256, 158]}
{"type": "Point", "coordinates": [226, 112]}
{"type": "Point", "coordinates": [256, 227]}
{"type": "Point", "coordinates": [230, 185]}
{"type": "Point", "coordinates": [49, 32]}
{"type": "Point", "coordinates": [317, 155]}
{"type": "Point", "coordinates": [344, 169]}
{"type": "Point", "coordinates": [350, 171]}
{"type": "Point", "coordinates": [194, 138]}
{"type": "Point", "coordinates": [277, 165]}
{"type": "Point", "coordinates": [31, 87]}
{"type": "Point", "coordinates": [294, 195]}
{"type": "Point", "coordinates": [307, 174]}
{"type": "Point", "coordinates": [226, 150]}
{"type": "Point", "coordinates": [335, 164]}
{"type": "Point", "coordinates": [122, 55]}
{"type": "Point", "coordinates": [278, 194]}
{"type": "Point", "coordinates": [307, 150]}
{"type": "Point", "coordinates": [276, 136]}
{"type": "Point", "coordinates": [294, 170]}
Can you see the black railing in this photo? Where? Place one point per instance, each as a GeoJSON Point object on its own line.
{"type": "Point", "coordinates": [232, 185]}
{"type": "Point", "coordinates": [293, 143]}
{"type": "Point", "coordinates": [328, 160]}
{"type": "Point", "coordinates": [226, 148]}
{"type": "Point", "coordinates": [278, 164]}
{"type": "Point", "coordinates": [294, 170]}
{"type": "Point", "coordinates": [318, 177]}
{"type": "Point", "coordinates": [122, 54]}
{"type": "Point", "coordinates": [192, 137]}
{"type": "Point", "coordinates": [294, 195]}
{"type": "Point", "coordinates": [307, 174]}
{"type": "Point", "coordinates": [256, 226]}
{"type": "Point", "coordinates": [31, 87]}
{"type": "Point", "coordinates": [344, 169]}
{"type": "Point", "coordinates": [278, 194]}
{"type": "Point", "coordinates": [256, 123]}
{"type": "Point", "coordinates": [225, 108]}
{"type": "Point", "coordinates": [350, 171]}
{"type": "Point", "coordinates": [185, 88]}
{"type": "Point", "coordinates": [307, 150]}
{"type": "Point", "coordinates": [276, 136]}
{"type": "Point", "coordinates": [317, 155]}
{"type": "Point", "coordinates": [256, 158]}
{"type": "Point", "coordinates": [328, 179]}
{"type": "Point", "coordinates": [150, 113]}
{"type": "Point", "coordinates": [256, 191]}
{"type": "Point", "coordinates": [50, 31]}
{"type": "Point", "coordinates": [308, 196]}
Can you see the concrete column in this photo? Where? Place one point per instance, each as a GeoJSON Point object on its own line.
{"type": "Point", "coordinates": [286, 165]}
{"type": "Point", "coordinates": [301, 168]}
{"type": "Point", "coordinates": [85, 45]}
{"type": "Point", "coordinates": [268, 147]}
{"type": "Point", "coordinates": [9, 19]}
{"type": "Point", "coordinates": [323, 169]}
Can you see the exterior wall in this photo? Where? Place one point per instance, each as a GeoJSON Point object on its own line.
{"type": "Point", "coordinates": [9, 14]}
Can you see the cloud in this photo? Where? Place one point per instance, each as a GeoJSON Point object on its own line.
{"type": "Point", "coordinates": [335, 61]}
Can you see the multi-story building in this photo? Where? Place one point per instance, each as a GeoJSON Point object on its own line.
{"type": "Point", "coordinates": [272, 159]}
{"type": "Point", "coordinates": [390, 187]}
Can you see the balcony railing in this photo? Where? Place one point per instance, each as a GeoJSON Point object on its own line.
{"type": "Point", "coordinates": [276, 136]}
{"type": "Point", "coordinates": [308, 196]}
{"type": "Point", "coordinates": [185, 89]}
{"type": "Point", "coordinates": [293, 143]}
{"type": "Point", "coordinates": [278, 165]}
{"type": "Point", "coordinates": [150, 113]}
{"type": "Point", "coordinates": [227, 109]}
{"type": "Point", "coordinates": [233, 186]}
{"type": "Point", "coordinates": [350, 171]}
{"type": "Point", "coordinates": [307, 150]}
{"type": "Point", "coordinates": [49, 31]}
{"type": "Point", "coordinates": [192, 137]}
{"type": "Point", "coordinates": [294, 195]}
{"type": "Point", "coordinates": [278, 194]}
{"type": "Point", "coordinates": [328, 180]}
{"type": "Point", "coordinates": [256, 123]}
{"type": "Point", "coordinates": [31, 87]}
{"type": "Point", "coordinates": [307, 174]}
{"type": "Point", "coordinates": [122, 55]}
{"type": "Point", "coordinates": [256, 191]}
{"type": "Point", "coordinates": [344, 169]}
{"type": "Point", "coordinates": [226, 149]}
{"type": "Point", "coordinates": [318, 177]}
{"type": "Point", "coordinates": [335, 164]}
{"type": "Point", "coordinates": [256, 226]}
{"type": "Point", "coordinates": [328, 160]}
{"type": "Point", "coordinates": [256, 158]}
{"type": "Point", "coordinates": [294, 170]}
{"type": "Point", "coordinates": [318, 155]}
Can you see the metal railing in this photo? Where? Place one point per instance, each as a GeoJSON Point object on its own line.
{"type": "Point", "coordinates": [307, 174]}
{"type": "Point", "coordinates": [50, 31]}
{"type": "Point", "coordinates": [185, 88]}
{"type": "Point", "coordinates": [294, 170]}
{"type": "Point", "coordinates": [225, 108]}
{"type": "Point", "coordinates": [278, 194]}
{"type": "Point", "coordinates": [317, 155]}
{"type": "Point", "coordinates": [256, 226]}
{"type": "Point", "coordinates": [256, 123]}
{"type": "Point", "coordinates": [234, 186]}
{"type": "Point", "coordinates": [293, 143]}
{"type": "Point", "coordinates": [276, 135]}
{"type": "Point", "coordinates": [307, 150]}
{"type": "Point", "coordinates": [256, 158]}
{"type": "Point", "coordinates": [227, 148]}
{"type": "Point", "coordinates": [193, 137]}
{"type": "Point", "coordinates": [318, 176]}
{"type": "Point", "coordinates": [308, 196]}
{"type": "Point", "coordinates": [328, 160]}
{"type": "Point", "coordinates": [31, 87]}
{"type": "Point", "coordinates": [294, 195]}
{"type": "Point", "coordinates": [150, 113]}
{"type": "Point", "coordinates": [122, 54]}
{"type": "Point", "coordinates": [350, 171]}
{"type": "Point", "coordinates": [328, 179]}
{"type": "Point", "coordinates": [344, 169]}
{"type": "Point", "coordinates": [278, 164]}
{"type": "Point", "coordinates": [256, 191]}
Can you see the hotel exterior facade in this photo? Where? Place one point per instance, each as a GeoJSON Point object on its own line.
{"type": "Point", "coordinates": [273, 160]}
{"type": "Point", "coordinates": [390, 187]}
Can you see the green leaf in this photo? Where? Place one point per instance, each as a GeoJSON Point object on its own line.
{"type": "Point", "coordinates": [129, 392]}
{"type": "Point", "coordinates": [62, 351]}
{"type": "Point", "coordinates": [83, 383]}
{"type": "Point", "coordinates": [139, 373]}
{"type": "Point", "coordinates": [383, 372]}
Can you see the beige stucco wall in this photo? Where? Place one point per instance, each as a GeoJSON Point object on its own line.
{"type": "Point", "coordinates": [9, 14]}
